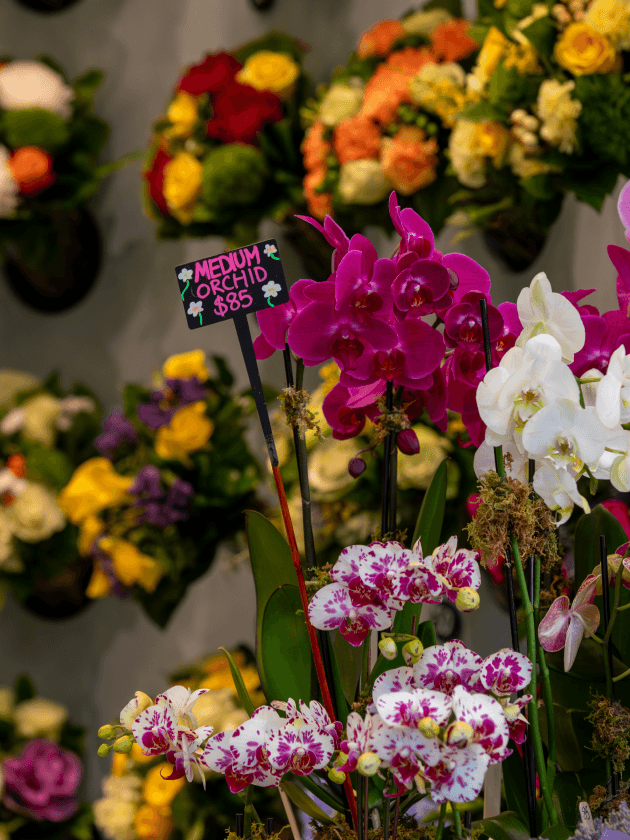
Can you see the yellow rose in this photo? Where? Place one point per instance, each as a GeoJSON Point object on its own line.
{"type": "Point", "coordinates": [131, 565]}
{"type": "Point", "coordinates": [182, 185]}
{"type": "Point", "coordinates": [153, 823]}
{"type": "Point", "coordinates": [99, 587]}
{"type": "Point", "coordinates": [89, 530]}
{"type": "Point", "coordinates": [188, 431]}
{"type": "Point", "coordinates": [468, 162]}
{"type": "Point", "coordinates": [183, 114]}
{"type": "Point", "coordinates": [7, 701]}
{"type": "Point", "coordinates": [581, 49]}
{"type": "Point", "coordinates": [186, 365]}
{"type": "Point", "coordinates": [494, 47]}
{"type": "Point", "coordinates": [363, 182]}
{"type": "Point", "coordinates": [610, 18]}
{"type": "Point", "coordinates": [440, 88]}
{"type": "Point", "coordinates": [159, 791]}
{"type": "Point", "coordinates": [266, 70]}
{"type": "Point", "coordinates": [94, 486]}
{"type": "Point", "coordinates": [492, 139]}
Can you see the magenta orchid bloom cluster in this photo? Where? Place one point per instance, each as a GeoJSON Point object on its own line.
{"type": "Point", "coordinates": [369, 316]}
{"type": "Point", "coordinates": [371, 583]}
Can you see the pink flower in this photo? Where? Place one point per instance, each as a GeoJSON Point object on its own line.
{"type": "Point", "coordinates": [363, 283]}
{"type": "Point", "coordinates": [299, 750]}
{"type": "Point", "coordinates": [565, 625]}
{"type": "Point", "coordinates": [332, 608]}
{"type": "Point", "coordinates": [415, 234]}
{"type": "Point", "coordinates": [404, 750]}
{"type": "Point", "coordinates": [333, 234]}
{"type": "Point", "coordinates": [43, 779]}
{"type": "Point", "coordinates": [345, 419]}
{"type": "Point", "coordinates": [444, 667]}
{"type": "Point", "coordinates": [517, 722]}
{"type": "Point", "coordinates": [358, 740]}
{"type": "Point", "coordinates": [274, 322]}
{"type": "Point", "coordinates": [505, 672]}
{"type": "Point", "coordinates": [462, 322]}
{"type": "Point", "coordinates": [620, 258]}
{"type": "Point", "coordinates": [421, 286]}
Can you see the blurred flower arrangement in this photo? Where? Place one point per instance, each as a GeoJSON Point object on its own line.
{"type": "Point", "coordinates": [140, 802]}
{"type": "Point", "coordinates": [346, 509]}
{"type": "Point", "coordinates": [40, 768]}
{"type": "Point", "coordinates": [50, 142]}
{"type": "Point", "coordinates": [46, 432]}
{"type": "Point", "coordinates": [171, 483]}
{"type": "Point", "coordinates": [225, 155]}
{"type": "Point", "coordinates": [548, 104]}
{"type": "Point", "coordinates": [372, 132]}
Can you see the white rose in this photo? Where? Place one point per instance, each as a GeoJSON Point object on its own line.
{"type": "Point", "coordinates": [31, 84]}
{"type": "Point", "coordinates": [340, 103]}
{"type": "Point", "coordinates": [8, 561]}
{"type": "Point", "coordinates": [114, 818]}
{"type": "Point", "coordinates": [35, 515]}
{"type": "Point", "coordinates": [423, 23]}
{"type": "Point", "coordinates": [40, 418]}
{"type": "Point", "coordinates": [40, 718]}
{"type": "Point", "coordinates": [469, 164]}
{"type": "Point", "coordinates": [363, 182]}
{"type": "Point", "coordinates": [9, 187]}
{"type": "Point", "coordinates": [7, 700]}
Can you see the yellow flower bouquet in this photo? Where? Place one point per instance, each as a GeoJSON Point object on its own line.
{"type": "Point", "coordinates": [225, 155]}
{"type": "Point", "coordinates": [173, 475]}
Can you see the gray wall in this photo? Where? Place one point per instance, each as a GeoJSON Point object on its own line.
{"type": "Point", "coordinates": [132, 320]}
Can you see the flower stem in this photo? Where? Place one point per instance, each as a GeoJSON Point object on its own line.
{"type": "Point", "coordinates": [361, 781]}
{"type": "Point", "coordinates": [534, 726]}
{"type": "Point", "coordinates": [609, 622]}
{"type": "Point", "coordinates": [620, 677]}
{"type": "Point", "coordinates": [457, 820]}
{"type": "Point", "coordinates": [386, 804]}
{"type": "Point", "coordinates": [387, 485]}
{"type": "Point", "coordinates": [249, 812]}
{"type": "Point", "coordinates": [396, 813]}
{"type": "Point", "coordinates": [440, 825]}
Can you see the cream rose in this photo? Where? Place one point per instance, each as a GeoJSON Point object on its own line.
{"type": "Point", "coordinates": [114, 817]}
{"type": "Point", "coordinates": [423, 23]}
{"type": "Point", "coordinates": [31, 84]}
{"type": "Point", "coordinates": [558, 114]}
{"type": "Point", "coordinates": [363, 182]}
{"type": "Point", "coordinates": [40, 718]}
{"type": "Point", "coordinates": [468, 161]}
{"type": "Point", "coordinates": [35, 515]}
{"type": "Point", "coordinates": [340, 103]}
{"type": "Point", "coordinates": [40, 418]}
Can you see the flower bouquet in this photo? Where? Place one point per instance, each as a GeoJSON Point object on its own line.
{"type": "Point", "coordinates": [225, 155]}
{"type": "Point", "coordinates": [173, 477]}
{"type": "Point", "coordinates": [50, 143]}
{"type": "Point", "coordinates": [548, 103]}
{"type": "Point", "coordinates": [371, 132]}
{"type": "Point", "coordinates": [35, 739]}
{"type": "Point", "coordinates": [45, 433]}
{"type": "Point", "coordinates": [139, 802]}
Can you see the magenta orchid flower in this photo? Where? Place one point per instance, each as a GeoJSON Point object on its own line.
{"type": "Point", "coordinates": [421, 287]}
{"type": "Point", "coordinates": [345, 418]}
{"type": "Point", "coordinates": [505, 672]}
{"type": "Point", "coordinates": [415, 234]}
{"type": "Point", "coordinates": [248, 741]}
{"type": "Point", "coordinates": [333, 234]}
{"type": "Point", "coordinates": [332, 608]}
{"type": "Point", "coordinates": [462, 322]}
{"type": "Point", "coordinates": [299, 750]}
{"type": "Point", "coordinates": [444, 667]}
{"type": "Point", "coordinates": [274, 322]}
{"type": "Point", "coordinates": [566, 623]}
{"type": "Point", "coordinates": [363, 284]}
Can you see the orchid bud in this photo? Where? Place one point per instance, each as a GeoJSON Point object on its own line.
{"type": "Point", "coordinates": [407, 442]}
{"type": "Point", "coordinates": [467, 599]}
{"type": "Point", "coordinates": [106, 732]}
{"type": "Point", "coordinates": [135, 707]}
{"type": "Point", "coordinates": [420, 784]}
{"type": "Point", "coordinates": [429, 727]}
{"type": "Point", "coordinates": [511, 712]}
{"type": "Point", "coordinates": [412, 651]}
{"type": "Point", "coordinates": [459, 734]}
{"type": "Point", "coordinates": [341, 759]}
{"type": "Point", "coordinates": [104, 750]}
{"type": "Point", "coordinates": [356, 467]}
{"type": "Point", "coordinates": [368, 764]}
{"type": "Point", "coordinates": [123, 744]}
{"type": "Point", "coordinates": [337, 776]}
{"type": "Point", "coordinates": [388, 648]}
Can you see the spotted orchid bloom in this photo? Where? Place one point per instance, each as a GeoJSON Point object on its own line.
{"type": "Point", "coordinates": [181, 700]}
{"type": "Point", "coordinates": [484, 715]}
{"type": "Point", "coordinates": [248, 743]}
{"type": "Point", "coordinates": [314, 714]}
{"type": "Point", "coordinates": [505, 672]}
{"type": "Point", "coordinates": [156, 730]}
{"type": "Point", "coordinates": [410, 708]}
{"type": "Point", "coordinates": [381, 569]}
{"type": "Point", "coordinates": [516, 721]}
{"type": "Point", "coordinates": [134, 707]}
{"type": "Point", "coordinates": [359, 733]}
{"type": "Point", "coordinates": [186, 757]}
{"type": "Point", "coordinates": [459, 776]}
{"type": "Point", "coordinates": [299, 750]}
{"type": "Point", "coordinates": [455, 568]}
{"type": "Point", "coordinates": [333, 608]}
{"type": "Point", "coordinates": [444, 667]}
{"type": "Point", "coordinates": [566, 623]}
{"type": "Point", "coordinates": [404, 750]}
{"type": "Point", "coordinates": [218, 756]}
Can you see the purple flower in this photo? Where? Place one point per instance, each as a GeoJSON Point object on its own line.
{"type": "Point", "coordinates": [175, 395]}
{"type": "Point", "coordinates": [43, 780]}
{"type": "Point", "coordinates": [118, 430]}
{"type": "Point", "coordinates": [159, 508]}
{"type": "Point", "coordinates": [148, 485]}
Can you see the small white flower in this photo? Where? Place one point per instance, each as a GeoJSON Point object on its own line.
{"type": "Point", "coordinates": [185, 274]}
{"type": "Point", "coordinates": [543, 311]}
{"type": "Point", "coordinates": [558, 490]}
{"type": "Point", "coordinates": [269, 250]}
{"type": "Point", "coordinates": [31, 84]}
{"type": "Point", "coordinates": [613, 391]}
{"type": "Point", "coordinates": [271, 289]}
{"type": "Point", "coordinates": [195, 308]}
{"type": "Point", "coordinates": [70, 406]}
{"type": "Point", "coordinates": [566, 434]}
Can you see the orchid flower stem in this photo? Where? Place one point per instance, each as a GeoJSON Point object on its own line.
{"type": "Point", "coordinates": [390, 442]}
{"type": "Point", "coordinates": [457, 820]}
{"type": "Point", "coordinates": [440, 825]}
{"type": "Point", "coordinates": [620, 677]}
{"type": "Point", "coordinates": [365, 662]}
{"type": "Point", "coordinates": [534, 726]}
{"type": "Point", "coordinates": [366, 807]}
{"type": "Point", "coordinates": [609, 622]}
{"type": "Point", "coordinates": [249, 811]}
{"type": "Point", "coordinates": [386, 805]}
{"type": "Point", "coordinates": [361, 781]}
{"type": "Point", "coordinates": [624, 607]}
{"type": "Point", "coordinates": [545, 677]}
{"type": "Point", "coordinates": [367, 687]}
{"type": "Point", "coordinates": [396, 813]}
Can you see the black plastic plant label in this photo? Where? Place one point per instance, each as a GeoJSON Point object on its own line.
{"type": "Point", "coordinates": [232, 283]}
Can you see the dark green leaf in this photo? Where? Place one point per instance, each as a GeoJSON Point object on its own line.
{"type": "Point", "coordinates": [50, 466]}
{"type": "Point", "coordinates": [567, 793]}
{"type": "Point", "coordinates": [540, 186]}
{"type": "Point", "coordinates": [348, 660]}
{"type": "Point", "coordinates": [85, 86]}
{"type": "Point", "coordinates": [273, 41]}
{"type": "Point", "coordinates": [557, 832]}
{"type": "Point", "coordinates": [482, 111]}
{"type": "Point", "coordinates": [587, 533]}
{"type": "Point", "coordinates": [426, 634]}
{"type": "Point", "coordinates": [592, 186]}
{"type": "Point", "coordinates": [242, 692]}
{"type": "Point", "coordinates": [542, 35]}
{"type": "Point", "coordinates": [429, 525]}
{"type": "Point", "coordinates": [24, 688]}
{"type": "Point", "coordinates": [515, 786]}
{"type": "Point", "coordinates": [505, 826]}
{"type": "Point", "coordinates": [283, 650]}
{"type": "Point", "coordinates": [304, 802]}
{"type": "Point", "coordinates": [568, 749]}
{"type": "Point", "coordinates": [341, 703]}
{"type": "Point", "coordinates": [34, 127]}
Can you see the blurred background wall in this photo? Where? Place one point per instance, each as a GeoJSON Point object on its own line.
{"type": "Point", "coordinates": [132, 319]}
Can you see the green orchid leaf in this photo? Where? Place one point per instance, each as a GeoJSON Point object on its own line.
{"type": "Point", "coordinates": [348, 659]}
{"type": "Point", "coordinates": [567, 794]}
{"type": "Point", "coordinates": [283, 650]}
{"type": "Point", "coordinates": [429, 525]}
{"type": "Point", "coordinates": [304, 802]}
{"type": "Point", "coordinates": [505, 826]}
{"type": "Point", "coordinates": [557, 832]}
{"type": "Point", "coordinates": [515, 786]}
{"type": "Point", "coordinates": [340, 701]}
{"type": "Point", "coordinates": [242, 692]}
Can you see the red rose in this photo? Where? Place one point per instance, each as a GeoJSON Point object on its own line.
{"type": "Point", "coordinates": [213, 73]}
{"type": "Point", "coordinates": [155, 179]}
{"type": "Point", "coordinates": [240, 112]}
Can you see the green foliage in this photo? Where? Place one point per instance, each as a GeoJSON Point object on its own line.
{"type": "Point", "coordinates": [429, 525]}
{"type": "Point", "coordinates": [452, 6]}
{"type": "Point", "coordinates": [52, 467]}
{"type": "Point", "coordinates": [505, 826]}
{"type": "Point", "coordinates": [348, 659]}
{"type": "Point", "coordinates": [541, 186]}
{"type": "Point", "coordinates": [274, 42]}
{"type": "Point", "coordinates": [234, 174]}
{"type": "Point", "coordinates": [542, 35]}
{"type": "Point", "coordinates": [603, 121]}
{"type": "Point", "coordinates": [305, 803]}
{"type": "Point", "coordinates": [482, 111]}
{"type": "Point", "coordinates": [591, 185]}
{"type": "Point", "coordinates": [85, 86]}
{"type": "Point", "coordinates": [34, 127]}
{"type": "Point", "coordinates": [24, 689]}
{"type": "Point", "coordinates": [241, 690]}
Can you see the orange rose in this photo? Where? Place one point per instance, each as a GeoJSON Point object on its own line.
{"type": "Point", "coordinates": [451, 41]}
{"type": "Point", "coordinates": [32, 169]}
{"type": "Point", "coordinates": [319, 204]}
{"type": "Point", "coordinates": [387, 89]}
{"type": "Point", "coordinates": [356, 138]}
{"type": "Point", "coordinates": [314, 147]}
{"type": "Point", "coordinates": [379, 39]}
{"type": "Point", "coordinates": [409, 60]}
{"type": "Point", "coordinates": [409, 160]}
{"type": "Point", "coordinates": [153, 823]}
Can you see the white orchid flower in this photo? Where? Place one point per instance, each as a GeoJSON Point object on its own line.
{"type": "Point", "coordinates": [566, 434]}
{"type": "Point", "coordinates": [181, 700]}
{"type": "Point", "coordinates": [543, 311]}
{"type": "Point", "coordinates": [617, 444]}
{"type": "Point", "coordinates": [620, 467]}
{"type": "Point", "coordinates": [516, 468]}
{"type": "Point", "coordinates": [613, 392]}
{"type": "Point", "coordinates": [527, 379]}
{"type": "Point", "coordinates": [558, 490]}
